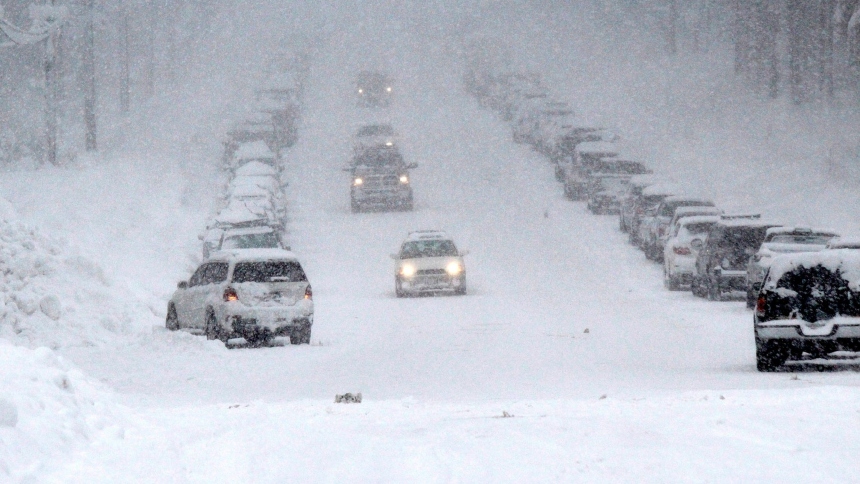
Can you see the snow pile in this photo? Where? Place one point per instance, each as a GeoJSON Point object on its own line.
{"type": "Point", "coordinates": [51, 296]}
{"type": "Point", "coordinates": [48, 410]}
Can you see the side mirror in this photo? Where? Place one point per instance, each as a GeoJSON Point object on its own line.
{"type": "Point", "coordinates": [718, 271]}
{"type": "Point", "coordinates": [464, 253]}
{"type": "Point", "coordinates": [697, 244]}
{"type": "Point", "coordinates": [394, 256]}
{"type": "Point", "coordinates": [200, 237]}
{"type": "Point", "coordinates": [756, 287]}
{"type": "Point", "coordinates": [411, 166]}
{"type": "Point", "coordinates": [182, 285]}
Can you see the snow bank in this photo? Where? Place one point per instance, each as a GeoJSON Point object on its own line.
{"type": "Point", "coordinates": [48, 410]}
{"type": "Point", "coordinates": [51, 296]}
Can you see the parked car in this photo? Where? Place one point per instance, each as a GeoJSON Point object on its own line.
{"type": "Point", "coordinates": [686, 238]}
{"type": "Point", "coordinates": [607, 183]}
{"type": "Point", "coordinates": [429, 262]}
{"type": "Point", "coordinates": [254, 294]}
{"type": "Point", "coordinates": [380, 179]}
{"type": "Point", "coordinates": [251, 238]}
{"type": "Point", "coordinates": [658, 226]}
{"type": "Point", "coordinates": [374, 89]}
{"type": "Point", "coordinates": [782, 240]}
{"type": "Point", "coordinates": [809, 302]}
{"type": "Point", "coordinates": [632, 199]}
{"type": "Point", "coordinates": [563, 146]}
{"type": "Point", "coordinates": [646, 210]}
{"type": "Point", "coordinates": [721, 265]}
{"type": "Point", "coordinates": [844, 243]}
{"type": "Point", "coordinates": [576, 171]}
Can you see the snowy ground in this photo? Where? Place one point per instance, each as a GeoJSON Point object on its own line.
{"type": "Point", "coordinates": [566, 329]}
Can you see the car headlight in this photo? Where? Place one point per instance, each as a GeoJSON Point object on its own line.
{"type": "Point", "coordinates": [361, 91]}
{"type": "Point", "coordinates": [389, 143]}
{"type": "Point", "coordinates": [404, 179]}
{"type": "Point", "coordinates": [357, 182]}
{"type": "Point", "coordinates": [454, 268]}
{"type": "Point", "coordinates": [407, 270]}
{"type": "Point", "coordinates": [388, 89]}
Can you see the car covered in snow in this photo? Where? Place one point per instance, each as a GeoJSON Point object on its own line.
{"type": "Point", "coordinates": [782, 240]}
{"type": "Point", "coordinates": [631, 199]}
{"type": "Point", "coordinates": [429, 262]}
{"type": "Point", "coordinates": [658, 225]}
{"type": "Point", "coordinates": [721, 265]}
{"type": "Point", "coordinates": [374, 89]}
{"type": "Point", "coordinates": [844, 243]}
{"type": "Point", "coordinates": [576, 171]}
{"type": "Point", "coordinates": [646, 210]}
{"type": "Point", "coordinates": [686, 237]}
{"type": "Point", "coordinates": [808, 303]}
{"type": "Point", "coordinates": [251, 238]}
{"type": "Point", "coordinates": [607, 183]}
{"type": "Point", "coordinates": [380, 180]}
{"type": "Point", "coordinates": [254, 294]}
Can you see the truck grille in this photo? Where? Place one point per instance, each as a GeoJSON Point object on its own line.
{"type": "Point", "coordinates": [430, 272]}
{"type": "Point", "coordinates": [381, 181]}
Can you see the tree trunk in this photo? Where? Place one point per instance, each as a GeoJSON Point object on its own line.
{"type": "Point", "coordinates": [89, 75]}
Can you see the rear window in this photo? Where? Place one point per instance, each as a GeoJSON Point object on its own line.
{"type": "Point", "coordinates": [252, 241]}
{"type": "Point", "coordinates": [699, 228]}
{"type": "Point", "coordinates": [801, 239]}
{"type": "Point", "coordinates": [269, 271]}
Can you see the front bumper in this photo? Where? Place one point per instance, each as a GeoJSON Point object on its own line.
{"type": "Point", "coordinates": [382, 197]}
{"type": "Point", "coordinates": [432, 283]}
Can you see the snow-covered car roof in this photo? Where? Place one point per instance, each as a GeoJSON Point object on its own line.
{"type": "Point", "coordinates": [242, 255]}
{"type": "Point", "coordinates": [684, 211]}
{"type": "Point", "coordinates": [427, 235]}
{"type": "Point", "coordinates": [668, 189]}
{"type": "Point", "coordinates": [597, 147]}
{"type": "Point", "coordinates": [844, 243]}
{"type": "Point", "coordinates": [800, 231]}
{"type": "Point", "coordinates": [846, 261]}
{"type": "Point", "coordinates": [686, 198]}
{"type": "Point", "coordinates": [249, 190]}
{"type": "Point", "coordinates": [256, 168]}
{"type": "Point", "coordinates": [647, 179]}
{"type": "Point", "coordinates": [266, 181]}
{"type": "Point", "coordinates": [747, 222]}
{"type": "Point", "coordinates": [699, 219]}
{"type": "Point", "coordinates": [253, 150]}
{"type": "Point", "coordinates": [249, 231]}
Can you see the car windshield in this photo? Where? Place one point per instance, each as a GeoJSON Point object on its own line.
{"type": "Point", "coordinates": [812, 239]}
{"type": "Point", "coordinates": [268, 271]}
{"type": "Point", "coordinates": [251, 241]}
{"type": "Point", "coordinates": [380, 158]}
{"type": "Point", "coordinates": [670, 208]}
{"type": "Point", "coordinates": [376, 130]}
{"type": "Point", "coordinates": [699, 228]}
{"type": "Point", "coordinates": [428, 248]}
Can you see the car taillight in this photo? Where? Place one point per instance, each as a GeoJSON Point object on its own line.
{"type": "Point", "coordinates": [230, 295]}
{"type": "Point", "coordinates": [681, 250]}
{"type": "Point", "coordinates": [760, 306]}
{"type": "Point", "coordinates": [309, 293]}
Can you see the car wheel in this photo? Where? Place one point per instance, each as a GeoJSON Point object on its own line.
{"type": "Point", "coordinates": [621, 225]}
{"type": "Point", "coordinates": [212, 330]}
{"type": "Point", "coordinates": [398, 288]}
{"type": "Point", "coordinates": [567, 193]}
{"type": "Point", "coordinates": [559, 174]}
{"type": "Point", "coordinates": [770, 355]}
{"type": "Point", "coordinates": [355, 206]}
{"type": "Point", "coordinates": [715, 293]}
{"type": "Point", "coordinates": [696, 287]}
{"type": "Point", "coordinates": [301, 336]}
{"type": "Point", "coordinates": [670, 281]}
{"type": "Point", "coordinates": [172, 321]}
{"type": "Point", "coordinates": [461, 291]}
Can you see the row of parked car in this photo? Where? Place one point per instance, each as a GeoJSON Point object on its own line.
{"type": "Point", "coordinates": [249, 284]}
{"type": "Point", "coordinates": [803, 283]}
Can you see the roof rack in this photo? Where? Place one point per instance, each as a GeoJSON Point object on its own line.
{"type": "Point", "coordinates": [741, 216]}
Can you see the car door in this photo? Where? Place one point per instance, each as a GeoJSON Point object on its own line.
{"type": "Point", "coordinates": [184, 301]}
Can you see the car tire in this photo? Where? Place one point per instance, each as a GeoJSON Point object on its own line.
{"type": "Point", "coordinates": [567, 193]}
{"type": "Point", "coordinates": [172, 320]}
{"type": "Point", "coordinates": [356, 208]}
{"type": "Point", "coordinates": [212, 330]}
{"type": "Point", "coordinates": [301, 336]}
{"type": "Point", "coordinates": [621, 225]}
{"type": "Point", "coordinates": [398, 288]}
{"type": "Point", "coordinates": [770, 355]}
{"type": "Point", "coordinates": [751, 299]}
{"type": "Point", "coordinates": [715, 293]}
{"type": "Point", "coordinates": [696, 287]}
{"type": "Point", "coordinates": [671, 282]}
{"type": "Point", "coordinates": [559, 173]}
{"type": "Point", "coordinates": [461, 291]}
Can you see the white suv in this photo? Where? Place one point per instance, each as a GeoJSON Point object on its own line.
{"type": "Point", "coordinates": [429, 262]}
{"type": "Point", "coordinates": [253, 293]}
